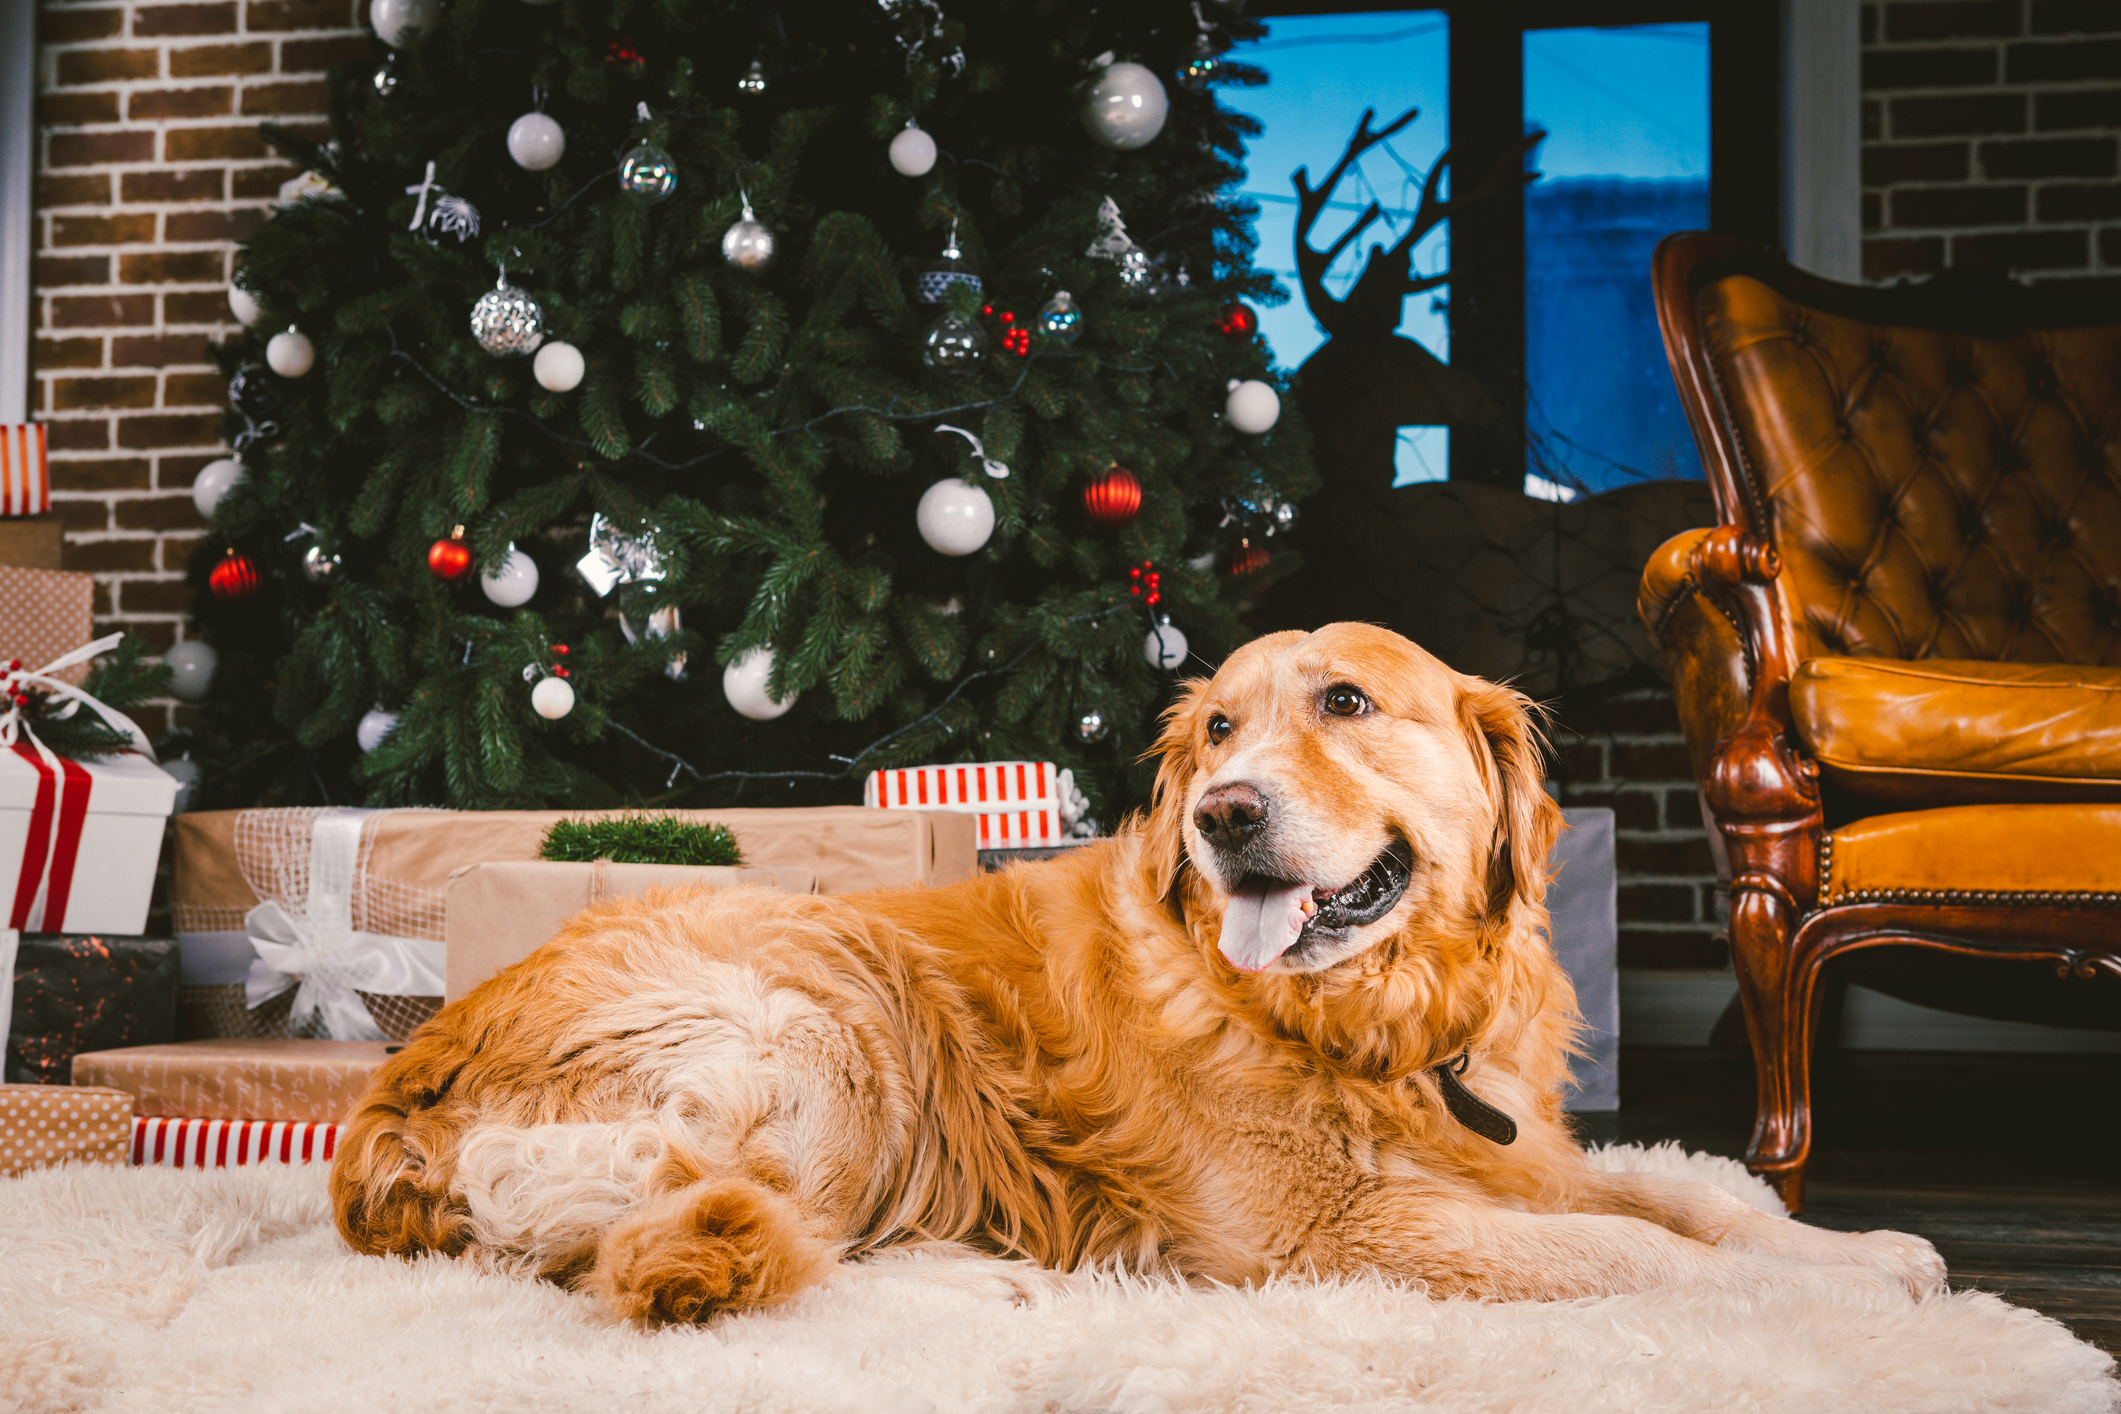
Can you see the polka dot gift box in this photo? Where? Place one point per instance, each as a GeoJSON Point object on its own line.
{"type": "Point", "coordinates": [42, 1125]}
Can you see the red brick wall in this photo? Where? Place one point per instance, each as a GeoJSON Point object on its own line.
{"type": "Point", "coordinates": [1989, 136]}
{"type": "Point", "coordinates": [149, 169]}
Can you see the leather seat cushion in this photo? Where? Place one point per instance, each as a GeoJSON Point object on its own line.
{"type": "Point", "coordinates": [1935, 731]}
{"type": "Point", "coordinates": [1963, 851]}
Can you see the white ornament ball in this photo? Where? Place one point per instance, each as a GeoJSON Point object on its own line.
{"type": "Point", "coordinates": [1252, 406]}
{"type": "Point", "coordinates": [552, 698]}
{"type": "Point", "coordinates": [536, 142]}
{"type": "Point", "coordinates": [744, 684]}
{"type": "Point", "coordinates": [191, 668]}
{"type": "Point", "coordinates": [243, 304]}
{"type": "Point", "coordinates": [1126, 107]}
{"type": "Point", "coordinates": [512, 581]}
{"type": "Point", "coordinates": [912, 152]}
{"type": "Point", "coordinates": [955, 517]}
{"type": "Point", "coordinates": [375, 725]}
{"type": "Point", "coordinates": [394, 20]}
{"type": "Point", "coordinates": [215, 480]}
{"type": "Point", "coordinates": [558, 367]}
{"type": "Point", "coordinates": [185, 772]}
{"type": "Point", "coordinates": [290, 353]}
{"type": "Point", "coordinates": [1165, 648]}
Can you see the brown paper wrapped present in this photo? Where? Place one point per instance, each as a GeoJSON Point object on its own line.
{"type": "Point", "coordinates": [238, 1078]}
{"type": "Point", "coordinates": [229, 862]}
{"type": "Point", "coordinates": [46, 614]}
{"type": "Point", "coordinates": [501, 913]}
{"type": "Point", "coordinates": [48, 1124]}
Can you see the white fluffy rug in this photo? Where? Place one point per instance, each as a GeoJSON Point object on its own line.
{"type": "Point", "coordinates": [152, 1290]}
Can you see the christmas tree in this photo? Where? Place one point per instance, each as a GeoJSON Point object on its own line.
{"type": "Point", "coordinates": [693, 404]}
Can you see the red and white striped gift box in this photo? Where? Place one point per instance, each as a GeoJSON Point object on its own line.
{"type": "Point", "coordinates": [227, 1143]}
{"type": "Point", "coordinates": [1017, 802]}
{"type": "Point", "coordinates": [25, 475]}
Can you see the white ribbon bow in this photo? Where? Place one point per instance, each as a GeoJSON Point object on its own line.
{"type": "Point", "coordinates": [319, 952]}
{"type": "Point", "coordinates": [14, 720]}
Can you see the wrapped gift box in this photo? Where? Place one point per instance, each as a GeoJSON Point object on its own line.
{"type": "Point", "coordinates": [394, 887]}
{"type": "Point", "coordinates": [49, 1124]}
{"type": "Point", "coordinates": [46, 614]}
{"type": "Point", "coordinates": [74, 994]}
{"type": "Point", "coordinates": [239, 1078]}
{"type": "Point", "coordinates": [25, 471]}
{"type": "Point", "coordinates": [500, 913]}
{"type": "Point", "coordinates": [1016, 804]}
{"type": "Point", "coordinates": [79, 839]}
{"type": "Point", "coordinates": [225, 1143]}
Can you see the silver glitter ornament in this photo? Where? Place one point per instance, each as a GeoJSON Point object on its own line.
{"type": "Point", "coordinates": [617, 558]}
{"type": "Point", "coordinates": [936, 280]}
{"type": "Point", "coordinates": [748, 245]}
{"type": "Point", "coordinates": [1062, 319]}
{"type": "Point", "coordinates": [648, 174]}
{"type": "Point", "coordinates": [954, 345]}
{"type": "Point", "coordinates": [507, 321]}
{"type": "Point", "coordinates": [1092, 726]}
{"type": "Point", "coordinates": [1284, 517]}
{"type": "Point", "coordinates": [318, 564]}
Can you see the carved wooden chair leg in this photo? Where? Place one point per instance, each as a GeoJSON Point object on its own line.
{"type": "Point", "coordinates": [1780, 1009]}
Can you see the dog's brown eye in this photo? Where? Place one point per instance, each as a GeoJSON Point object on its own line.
{"type": "Point", "coordinates": [1219, 729]}
{"type": "Point", "coordinates": [1345, 701]}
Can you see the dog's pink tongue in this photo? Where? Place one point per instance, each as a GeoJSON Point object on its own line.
{"type": "Point", "coordinates": [1259, 926]}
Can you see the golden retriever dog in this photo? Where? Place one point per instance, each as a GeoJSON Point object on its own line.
{"type": "Point", "coordinates": [1300, 1018]}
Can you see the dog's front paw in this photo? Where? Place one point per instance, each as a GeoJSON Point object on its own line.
{"type": "Point", "coordinates": [1898, 1254]}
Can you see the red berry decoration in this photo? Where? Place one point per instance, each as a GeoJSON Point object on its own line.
{"type": "Point", "coordinates": [1148, 585]}
{"type": "Point", "coordinates": [1250, 560]}
{"type": "Point", "coordinates": [1238, 321]}
{"type": "Point", "coordinates": [1112, 499]}
{"type": "Point", "coordinates": [236, 577]}
{"type": "Point", "coordinates": [450, 558]}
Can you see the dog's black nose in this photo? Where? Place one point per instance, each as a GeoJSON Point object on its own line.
{"type": "Point", "coordinates": [1231, 815]}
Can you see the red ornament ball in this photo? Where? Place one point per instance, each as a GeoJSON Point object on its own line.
{"type": "Point", "coordinates": [450, 558]}
{"type": "Point", "coordinates": [1238, 321]}
{"type": "Point", "coordinates": [236, 577]}
{"type": "Point", "coordinates": [1250, 560]}
{"type": "Point", "coordinates": [1112, 499]}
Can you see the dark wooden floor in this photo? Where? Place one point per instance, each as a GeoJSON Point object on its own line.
{"type": "Point", "coordinates": [2011, 1165]}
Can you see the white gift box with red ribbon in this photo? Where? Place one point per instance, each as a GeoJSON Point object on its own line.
{"type": "Point", "coordinates": [1019, 803]}
{"type": "Point", "coordinates": [78, 839]}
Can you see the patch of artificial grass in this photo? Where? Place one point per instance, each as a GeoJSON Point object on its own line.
{"type": "Point", "coordinates": [639, 839]}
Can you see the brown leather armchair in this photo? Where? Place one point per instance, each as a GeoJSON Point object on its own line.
{"type": "Point", "coordinates": [1897, 658]}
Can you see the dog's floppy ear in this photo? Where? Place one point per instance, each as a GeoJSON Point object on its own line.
{"type": "Point", "coordinates": [1504, 726]}
{"type": "Point", "coordinates": [1164, 832]}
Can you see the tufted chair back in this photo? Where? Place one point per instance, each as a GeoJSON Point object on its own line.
{"type": "Point", "coordinates": [1931, 493]}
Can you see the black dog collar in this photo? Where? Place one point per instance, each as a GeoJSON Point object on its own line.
{"type": "Point", "coordinates": [1468, 1108]}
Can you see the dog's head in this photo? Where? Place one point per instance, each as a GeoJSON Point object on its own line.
{"type": "Point", "coordinates": [1329, 789]}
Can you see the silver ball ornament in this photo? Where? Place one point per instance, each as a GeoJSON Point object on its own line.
{"type": "Point", "coordinates": [508, 322]}
{"type": "Point", "coordinates": [748, 245]}
{"type": "Point", "coordinates": [912, 152]}
{"type": "Point", "coordinates": [385, 79]}
{"type": "Point", "coordinates": [552, 698]}
{"type": "Point", "coordinates": [1062, 319]}
{"type": "Point", "coordinates": [536, 142]}
{"type": "Point", "coordinates": [953, 345]}
{"type": "Point", "coordinates": [648, 174]}
{"type": "Point", "coordinates": [1126, 107]}
{"type": "Point", "coordinates": [753, 80]}
{"type": "Point", "coordinates": [1284, 517]}
{"type": "Point", "coordinates": [319, 564]}
{"type": "Point", "coordinates": [1092, 726]}
{"type": "Point", "coordinates": [191, 668]}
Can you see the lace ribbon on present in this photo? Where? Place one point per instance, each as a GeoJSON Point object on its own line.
{"type": "Point", "coordinates": [315, 948]}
